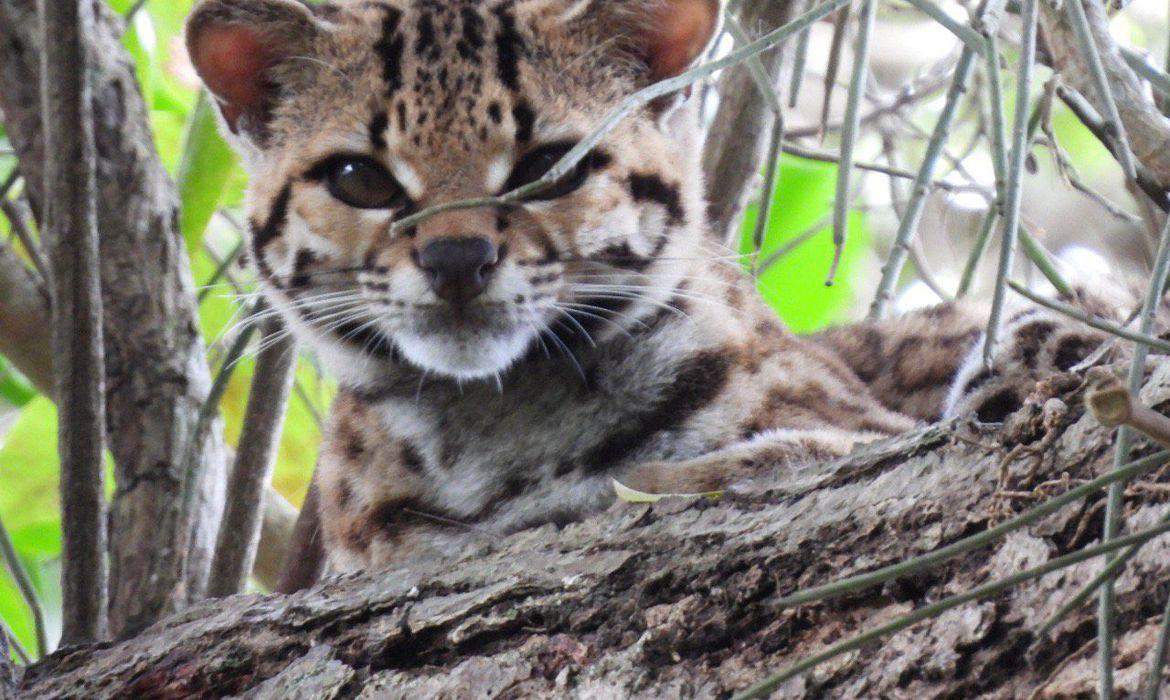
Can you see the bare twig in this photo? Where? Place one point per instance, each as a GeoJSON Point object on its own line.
{"type": "Point", "coordinates": [1158, 656]}
{"type": "Point", "coordinates": [71, 227]}
{"type": "Point", "coordinates": [8, 638]}
{"type": "Point", "coordinates": [1144, 124]}
{"type": "Point", "coordinates": [239, 532]}
{"type": "Point", "coordinates": [1091, 56]}
{"type": "Point", "coordinates": [1015, 175]}
{"type": "Point", "coordinates": [1100, 324]}
{"type": "Point", "coordinates": [19, 223]}
{"type": "Point", "coordinates": [913, 216]}
{"type": "Point", "coordinates": [24, 584]}
{"type": "Point", "coordinates": [857, 85]}
{"type": "Point", "coordinates": [1137, 372]}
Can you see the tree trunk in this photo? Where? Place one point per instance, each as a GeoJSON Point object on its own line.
{"type": "Point", "coordinates": [157, 375]}
{"type": "Point", "coordinates": [737, 143]}
{"type": "Point", "coordinates": [679, 599]}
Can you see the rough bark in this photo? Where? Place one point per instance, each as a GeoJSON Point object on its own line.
{"type": "Point", "coordinates": [78, 366]}
{"type": "Point", "coordinates": [739, 135]}
{"type": "Point", "coordinates": [677, 599]}
{"type": "Point", "coordinates": [156, 370]}
{"type": "Point", "coordinates": [7, 671]}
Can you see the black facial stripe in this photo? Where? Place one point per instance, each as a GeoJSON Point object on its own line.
{"type": "Point", "coordinates": [697, 381]}
{"type": "Point", "coordinates": [525, 121]}
{"type": "Point", "coordinates": [378, 126]}
{"type": "Point", "coordinates": [623, 257]}
{"type": "Point", "coordinates": [367, 340]}
{"type": "Point", "coordinates": [270, 230]}
{"type": "Point", "coordinates": [473, 28]}
{"type": "Point", "coordinates": [651, 188]}
{"type": "Point", "coordinates": [509, 50]}
{"type": "Point", "coordinates": [300, 277]}
{"type": "Point", "coordinates": [389, 48]}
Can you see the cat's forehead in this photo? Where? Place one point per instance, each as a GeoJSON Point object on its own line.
{"type": "Point", "coordinates": [445, 81]}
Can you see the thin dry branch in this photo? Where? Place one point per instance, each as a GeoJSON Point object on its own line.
{"type": "Point", "coordinates": [71, 229]}
{"type": "Point", "coordinates": [239, 534]}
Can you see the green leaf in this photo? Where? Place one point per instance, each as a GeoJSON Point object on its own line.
{"type": "Point", "coordinates": [14, 388]}
{"type": "Point", "coordinates": [795, 285]}
{"type": "Point", "coordinates": [206, 168]}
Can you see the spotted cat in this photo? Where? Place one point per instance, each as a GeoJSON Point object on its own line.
{"type": "Point", "coordinates": [501, 366]}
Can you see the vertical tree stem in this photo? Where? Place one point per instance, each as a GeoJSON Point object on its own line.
{"type": "Point", "coordinates": [239, 533]}
{"type": "Point", "coordinates": [849, 132]}
{"type": "Point", "coordinates": [20, 576]}
{"type": "Point", "coordinates": [71, 225]}
{"type": "Point", "coordinates": [1113, 504]}
{"type": "Point", "coordinates": [922, 183]}
{"type": "Point", "coordinates": [1014, 186]}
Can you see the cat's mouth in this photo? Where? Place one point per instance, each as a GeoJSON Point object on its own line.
{"type": "Point", "coordinates": [476, 342]}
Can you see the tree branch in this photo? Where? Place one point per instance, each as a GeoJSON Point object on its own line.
{"type": "Point", "coordinates": [240, 532]}
{"type": "Point", "coordinates": [738, 139]}
{"type": "Point", "coordinates": [157, 375]}
{"type": "Point", "coordinates": [688, 597]}
{"type": "Point", "coordinates": [71, 229]}
{"type": "Point", "coordinates": [1148, 130]}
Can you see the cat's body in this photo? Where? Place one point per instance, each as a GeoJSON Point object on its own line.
{"type": "Point", "coordinates": [501, 366]}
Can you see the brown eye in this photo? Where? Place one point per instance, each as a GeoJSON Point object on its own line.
{"type": "Point", "coordinates": [360, 182]}
{"type": "Point", "coordinates": [535, 164]}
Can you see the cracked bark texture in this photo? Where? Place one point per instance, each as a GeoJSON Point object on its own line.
{"type": "Point", "coordinates": [677, 599]}
{"type": "Point", "coordinates": [157, 376]}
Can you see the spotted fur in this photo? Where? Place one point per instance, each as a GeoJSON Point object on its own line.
{"type": "Point", "coordinates": [610, 342]}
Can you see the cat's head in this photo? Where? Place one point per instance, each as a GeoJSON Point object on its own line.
{"type": "Point", "coordinates": [350, 117]}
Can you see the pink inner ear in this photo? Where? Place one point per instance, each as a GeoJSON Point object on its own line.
{"type": "Point", "coordinates": [232, 59]}
{"type": "Point", "coordinates": [681, 30]}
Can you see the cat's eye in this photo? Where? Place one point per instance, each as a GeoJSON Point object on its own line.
{"type": "Point", "coordinates": [360, 182]}
{"type": "Point", "coordinates": [536, 163]}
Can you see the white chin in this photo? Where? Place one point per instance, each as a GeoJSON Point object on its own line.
{"type": "Point", "coordinates": [474, 357]}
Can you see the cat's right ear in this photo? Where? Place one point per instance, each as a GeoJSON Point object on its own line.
{"type": "Point", "coordinates": [238, 48]}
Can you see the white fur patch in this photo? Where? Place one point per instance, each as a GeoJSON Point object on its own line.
{"type": "Point", "coordinates": [408, 177]}
{"type": "Point", "coordinates": [498, 172]}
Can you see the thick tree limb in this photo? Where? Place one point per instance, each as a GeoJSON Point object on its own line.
{"type": "Point", "coordinates": [72, 234]}
{"type": "Point", "coordinates": [737, 142]}
{"type": "Point", "coordinates": [156, 370]}
{"type": "Point", "coordinates": [679, 599]}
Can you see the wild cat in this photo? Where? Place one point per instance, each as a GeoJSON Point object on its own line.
{"type": "Point", "coordinates": [500, 367]}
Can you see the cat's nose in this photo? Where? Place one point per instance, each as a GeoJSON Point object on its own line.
{"type": "Point", "coordinates": [459, 269]}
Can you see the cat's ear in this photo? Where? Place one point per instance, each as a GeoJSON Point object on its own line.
{"type": "Point", "coordinates": [238, 48]}
{"type": "Point", "coordinates": [666, 36]}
